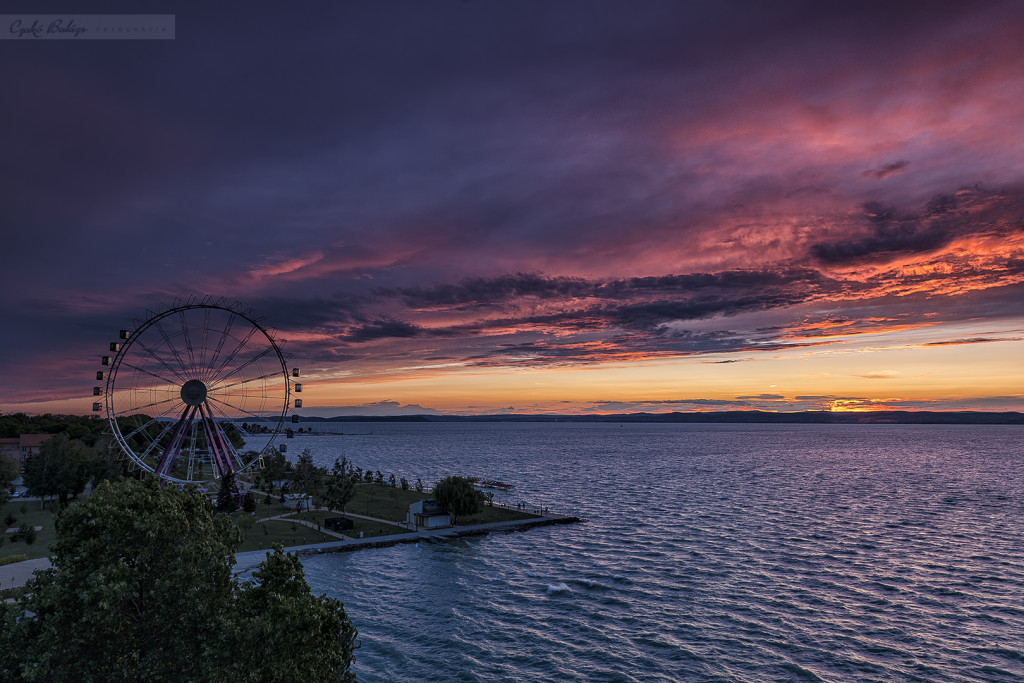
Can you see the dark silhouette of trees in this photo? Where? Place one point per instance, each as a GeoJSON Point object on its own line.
{"type": "Point", "coordinates": [142, 589]}
{"type": "Point", "coordinates": [227, 497]}
{"type": "Point", "coordinates": [59, 468]}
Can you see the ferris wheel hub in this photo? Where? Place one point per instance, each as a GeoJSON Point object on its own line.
{"type": "Point", "coordinates": [193, 392]}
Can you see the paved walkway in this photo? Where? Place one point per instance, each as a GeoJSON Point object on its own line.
{"type": "Point", "coordinates": [249, 560]}
{"type": "Point", "coordinates": [15, 575]}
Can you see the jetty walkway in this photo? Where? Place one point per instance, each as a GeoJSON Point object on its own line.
{"type": "Point", "coordinates": [15, 575]}
{"type": "Point", "coordinates": [248, 561]}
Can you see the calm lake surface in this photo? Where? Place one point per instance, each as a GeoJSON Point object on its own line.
{"type": "Point", "coordinates": [711, 553]}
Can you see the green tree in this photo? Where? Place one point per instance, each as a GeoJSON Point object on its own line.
{"type": "Point", "coordinates": [340, 487]}
{"type": "Point", "coordinates": [405, 484]}
{"type": "Point", "coordinates": [8, 473]}
{"type": "Point", "coordinates": [227, 497]}
{"type": "Point", "coordinates": [378, 479]}
{"type": "Point", "coordinates": [60, 468]}
{"type": "Point", "coordinates": [458, 496]}
{"type": "Point", "coordinates": [318, 634]}
{"type": "Point", "coordinates": [105, 462]}
{"type": "Point", "coordinates": [308, 477]}
{"type": "Point", "coordinates": [274, 466]}
{"type": "Point", "coordinates": [391, 480]}
{"type": "Point", "coordinates": [419, 485]}
{"type": "Point", "coordinates": [141, 588]}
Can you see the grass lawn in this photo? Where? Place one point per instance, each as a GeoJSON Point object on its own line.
{"type": "Point", "coordinates": [381, 502]}
{"type": "Point", "coordinates": [494, 514]}
{"type": "Point", "coordinates": [392, 504]}
{"type": "Point", "coordinates": [255, 538]}
{"type": "Point", "coordinates": [34, 517]}
{"type": "Point", "coordinates": [263, 535]}
{"type": "Point", "coordinates": [368, 527]}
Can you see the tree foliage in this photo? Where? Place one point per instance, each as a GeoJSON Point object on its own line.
{"type": "Point", "coordinates": [458, 496]}
{"type": "Point", "coordinates": [61, 467]}
{"type": "Point", "coordinates": [341, 486]}
{"type": "Point", "coordinates": [278, 607]}
{"type": "Point", "coordinates": [107, 462]}
{"type": "Point", "coordinates": [85, 429]}
{"type": "Point", "coordinates": [274, 466]}
{"type": "Point", "coordinates": [308, 477]}
{"type": "Point", "coordinates": [8, 473]}
{"type": "Point", "coordinates": [141, 589]}
{"type": "Point", "coordinates": [227, 496]}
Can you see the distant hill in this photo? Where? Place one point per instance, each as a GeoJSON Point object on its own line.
{"type": "Point", "coordinates": [734, 416]}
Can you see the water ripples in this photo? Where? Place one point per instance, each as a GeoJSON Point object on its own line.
{"type": "Point", "coordinates": [725, 553]}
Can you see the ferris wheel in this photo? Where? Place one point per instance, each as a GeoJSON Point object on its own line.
{"type": "Point", "coordinates": [180, 384]}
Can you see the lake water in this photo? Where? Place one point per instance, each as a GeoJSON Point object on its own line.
{"type": "Point", "coordinates": [711, 553]}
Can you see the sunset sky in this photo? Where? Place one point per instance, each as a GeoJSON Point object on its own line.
{"type": "Point", "coordinates": [573, 207]}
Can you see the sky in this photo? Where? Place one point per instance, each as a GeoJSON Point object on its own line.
{"type": "Point", "coordinates": [533, 207]}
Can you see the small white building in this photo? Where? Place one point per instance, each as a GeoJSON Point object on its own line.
{"type": "Point", "coordinates": [427, 514]}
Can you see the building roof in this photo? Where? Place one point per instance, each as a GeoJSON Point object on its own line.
{"type": "Point", "coordinates": [33, 440]}
{"type": "Point", "coordinates": [427, 508]}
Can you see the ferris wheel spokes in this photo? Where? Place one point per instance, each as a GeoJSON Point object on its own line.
{"type": "Point", "coordinates": [153, 445]}
{"type": "Point", "coordinates": [231, 356]}
{"type": "Point", "coordinates": [146, 372]}
{"type": "Point", "coordinates": [188, 342]}
{"type": "Point", "coordinates": [153, 420]}
{"type": "Point", "coordinates": [152, 354]}
{"type": "Point", "coordinates": [178, 381]}
{"type": "Point", "coordinates": [171, 346]}
{"type": "Point", "coordinates": [220, 342]}
{"type": "Point", "coordinates": [254, 359]}
{"type": "Point", "coordinates": [257, 416]}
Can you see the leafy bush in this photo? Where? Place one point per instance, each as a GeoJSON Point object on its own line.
{"type": "Point", "coordinates": [11, 559]}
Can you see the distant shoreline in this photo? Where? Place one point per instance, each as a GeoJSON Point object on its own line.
{"type": "Point", "coordinates": [733, 417]}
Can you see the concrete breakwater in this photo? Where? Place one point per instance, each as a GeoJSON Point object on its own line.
{"type": "Point", "coordinates": [248, 560]}
{"type": "Point", "coordinates": [436, 535]}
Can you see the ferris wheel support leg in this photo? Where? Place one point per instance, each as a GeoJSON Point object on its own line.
{"type": "Point", "coordinates": [170, 454]}
{"type": "Point", "coordinates": [216, 440]}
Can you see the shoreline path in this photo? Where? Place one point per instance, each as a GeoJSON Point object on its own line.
{"type": "Point", "coordinates": [16, 574]}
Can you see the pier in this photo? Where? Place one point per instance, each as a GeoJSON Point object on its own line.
{"type": "Point", "coordinates": [248, 561]}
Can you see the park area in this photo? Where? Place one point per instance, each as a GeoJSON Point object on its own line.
{"type": "Point", "coordinates": [374, 511]}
